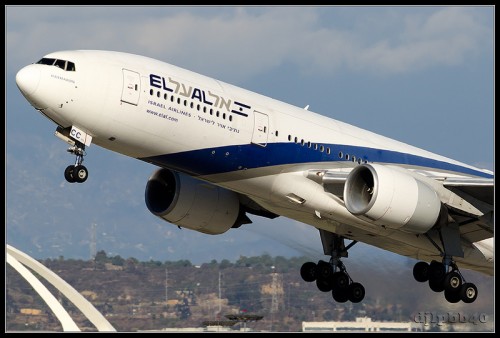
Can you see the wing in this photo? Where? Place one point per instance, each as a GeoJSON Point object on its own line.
{"type": "Point", "coordinates": [480, 189]}
{"type": "Point", "coordinates": [479, 193]}
{"type": "Point", "coordinates": [469, 199]}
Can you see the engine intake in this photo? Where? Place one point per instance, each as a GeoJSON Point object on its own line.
{"type": "Point", "coordinates": [191, 203]}
{"type": "Point", "coordinates": [389, 197]}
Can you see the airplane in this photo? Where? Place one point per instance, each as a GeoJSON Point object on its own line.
{"type": "Point", "coordinates": [223, 152]}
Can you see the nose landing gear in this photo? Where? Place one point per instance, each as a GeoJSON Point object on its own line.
{"type": "Point", "coordinates": [76, 173]}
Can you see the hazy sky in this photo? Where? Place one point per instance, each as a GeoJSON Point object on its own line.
{"type": "Point", "coordinates": [421, 75]}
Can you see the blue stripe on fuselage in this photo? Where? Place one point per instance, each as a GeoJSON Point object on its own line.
{"type": "Point", "coordinates": [219, 160]}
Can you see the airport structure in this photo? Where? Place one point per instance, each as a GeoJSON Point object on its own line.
{"type": "Point", "coordinates": [362, 324]}
{"type": "Point", "coordinates": [20, 261]}
{"type": "Point", "coordinates": [210, 328]}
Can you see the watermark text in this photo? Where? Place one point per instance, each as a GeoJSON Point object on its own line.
{"type": "Point", "coordinates": [428, 318]}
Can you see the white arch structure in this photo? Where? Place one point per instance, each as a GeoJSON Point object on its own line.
{"type": "Point", "coordinates": [17, 259]}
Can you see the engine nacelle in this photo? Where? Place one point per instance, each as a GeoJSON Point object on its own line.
{"type": "Point", "coordinates": [392, 198]}
{"type": "Point", "coordinates": [191, 203]}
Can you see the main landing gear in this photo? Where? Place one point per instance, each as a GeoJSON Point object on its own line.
{"type": "Point", "coordinates": [77, 172]}
{"type": "Point", "coordinates": [332, 276]}
{"type": "Point", "coordinates": [444, 275]}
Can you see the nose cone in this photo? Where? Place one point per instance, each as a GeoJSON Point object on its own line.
{"type": "Point", "coordinates": [27, 79]}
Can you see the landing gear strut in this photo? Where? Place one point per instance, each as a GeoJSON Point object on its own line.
{"type": "Point", "coordinates": [77, 172]}
{"type": "Point", "coordinates": [332, 276]}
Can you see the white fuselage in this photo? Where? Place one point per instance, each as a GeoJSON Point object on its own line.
{"type": "Point", "coordinates": [231, 137]}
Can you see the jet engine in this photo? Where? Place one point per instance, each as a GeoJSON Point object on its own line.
{"type": "Point", "coordinates": [389, 197]}
{"type": "Point", "coordinates": [191, 203]}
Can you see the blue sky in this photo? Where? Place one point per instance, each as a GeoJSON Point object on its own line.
{"type": "Point", "coordinates": [421, 75]}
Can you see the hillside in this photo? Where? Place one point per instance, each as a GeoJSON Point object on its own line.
{"type": "Point", "coordinates": [149, 295]}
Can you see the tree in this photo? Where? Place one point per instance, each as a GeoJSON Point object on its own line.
{"type": "Point", "coordinates": [131, 264]}
{"type": "Point", "coordinates": [224, 264]}
{"type": "Point", "coordinates": [101, 257]}
{"type": "Point", "coordinates": [117, 260]}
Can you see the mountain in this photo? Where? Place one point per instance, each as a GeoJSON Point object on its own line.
{"type": "Point", "coordinates": [152, 295]}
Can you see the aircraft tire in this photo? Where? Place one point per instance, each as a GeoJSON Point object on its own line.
{"type": "Point", "coordinates": [453, 281]}
{"type": "Point", "coordinates": [308, 271]}
{"type": "Point", "coordinates": [437, 270]}
{"type": "Point", "coordinates": [323, 285]}
{"type": "Point", "coordinates": [68, 174]}
{"type": "Point", "coordinates": [340, 280]}
{"type": "Point", "coordinates": [437, 273]}
{"type": "Point", "coordinates": [80, 173]}
{"type": "Point", "coordinates": [468, 293]}
{"type": "Point", "coordinates": [324, 270]}
{"type": "Point", "coordinates": [356, 292]}
{"type": "Point", "coordinates": [340, 295]}
{"type": "Point", "coordinates": [452, 296]}
{"type": "Point", "coordinates": [436, 285]}
{"type": "Point", "coordinates": [421, 272]}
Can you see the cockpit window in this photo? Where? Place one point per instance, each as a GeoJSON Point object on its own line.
{"type": "Point", "coordinates": [46, 61]}
{"type": "Point", "coordinates": [60, 63]}
{"type": "Point", "coordinates": [63, 64]}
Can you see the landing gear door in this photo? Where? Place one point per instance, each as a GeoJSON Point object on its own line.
{"type": "Point", "coordinates": [260, 129]}
{"type": "Point", "coordinates": [131, 87]}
